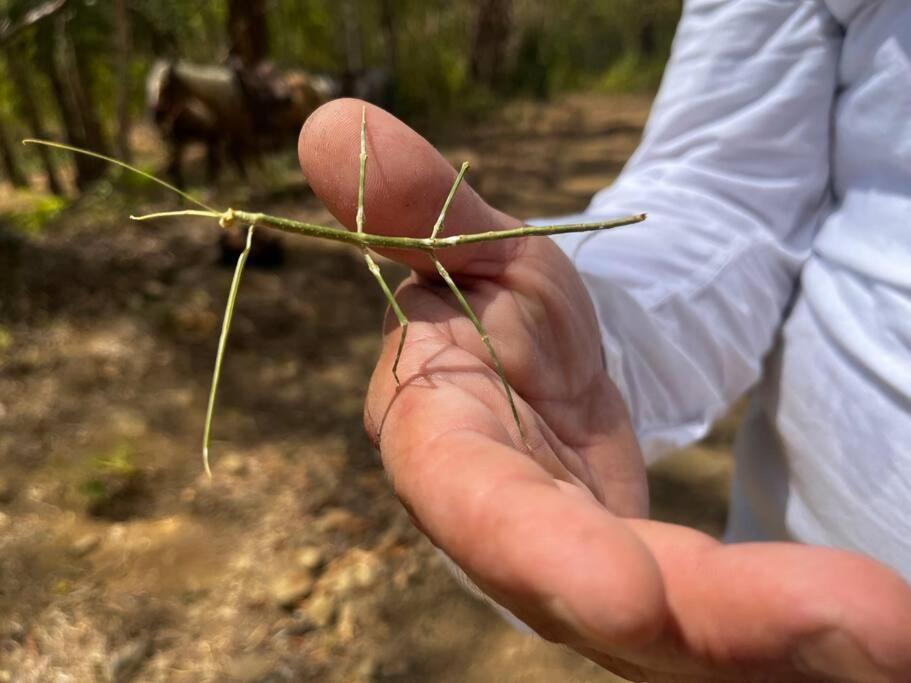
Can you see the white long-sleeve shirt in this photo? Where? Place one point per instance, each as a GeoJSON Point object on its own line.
{"type": "Point", "coordinates": [776, 172]}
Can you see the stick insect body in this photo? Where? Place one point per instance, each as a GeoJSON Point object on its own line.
{"type": "Point", "coordinates": [365, 242]}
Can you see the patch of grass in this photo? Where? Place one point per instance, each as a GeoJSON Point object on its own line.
{"type": "Point", "coordinates": [30, 212]}
{"type": "Point", "coordinates": [6, 339]}
{"type": "Point", "coordinates": [119, 461]}
{"type": "Point", "coordinates": [632, 73]}
{"type": "Point", "coordinates": [111, 483]}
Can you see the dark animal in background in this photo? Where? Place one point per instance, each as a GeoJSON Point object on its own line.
{"type": "Point", "coordinates": [373, 84]}
{"type": "Point", "coordinates": [281, 100]}
{"type": "Point", "coordinates": [194, 103]}
{"type": "Point", "coordinates": [241, 112]}
{"type": "Point", "coordinates": [231, 109]}
{"type": "Point", "coordinates": [236, 111]}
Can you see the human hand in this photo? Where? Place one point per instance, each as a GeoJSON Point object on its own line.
{"type": "Point", "coordinates": [558, 535]}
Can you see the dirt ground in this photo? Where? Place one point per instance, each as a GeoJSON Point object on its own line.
{"type": "Point", "coordinates": [120, 561]}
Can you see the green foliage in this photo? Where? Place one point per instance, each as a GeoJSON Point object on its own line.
{"type": "Point", "coordinates": [6, 339]}
{"type": "Point", "coordinates": [304, 34]}
{"type": "Point", "coordinates": [118, 461]}
{"type": "Point", "coordinates": [30, 212]}
{"type": "Point", "coordinates": [631, 74]}
{"type": "Point", "coordinates": [621, 45]}
{"type": "Point", "coordinates": [109, 480]}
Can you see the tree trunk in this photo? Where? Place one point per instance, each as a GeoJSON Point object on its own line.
{"type": "Point", "coordinates": [76, 74]}
{"type": "Point", "coordinates": [493, 25]}
{"type": "Point", "coordinates": [214, 36]}
{"type": "Point", "coordinates": [87, 168]}
{"type": "Point", "coordinates": [122, 40]}
{"type": "Point", "coordinates": [10, 165]}
{"type": "Point", "coordinates": [354, 49]}
{"type": "Point", "coordinates": [71, 116]}
{"type": "Point", "coordinates": [30, 111]}
{"type": "Point", "coordinates": [9, 30]}
{"type": "Point", "coordinates": [70, 119]}
{"type": "Point", "coordinates": [390, 36]}
{"type": "Point", "coordinates": [391, 43]}
{"type": "Point", "coordinates": [248, 31]}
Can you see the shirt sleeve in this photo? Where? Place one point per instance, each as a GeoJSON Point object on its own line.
{"type": "Point", "coordinates": [733, 171]}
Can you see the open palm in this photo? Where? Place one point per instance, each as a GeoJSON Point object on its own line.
{"type": "Point", "coordinates": [558, 533]}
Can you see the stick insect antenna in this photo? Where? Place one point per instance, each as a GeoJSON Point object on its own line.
{"type": "Point", "coordinates": [122, 164]}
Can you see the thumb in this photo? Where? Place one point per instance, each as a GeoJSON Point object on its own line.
{"type": "Point", "coordinates": [406, 184]}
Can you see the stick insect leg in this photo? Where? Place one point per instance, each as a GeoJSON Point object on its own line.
{"type": "Point", "coordinates": [222, 342]}
{"type": "Point", "coordinates": [390, 297]}
{"type": "Point", "coordinates": [362, 174]}
{"type": "Point", "coordinates": [463, 302]}
{"type": "Point", "coordinates": [371, 264]}
{"type": "Point", "coordinates": [438, 226]}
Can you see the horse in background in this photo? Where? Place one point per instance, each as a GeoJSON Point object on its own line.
{"type": "Point", "coordinates": [189, 104]}
{"type": "Point", "coordinates": [242, 111]}
{"type": "Point", "coordinates": [281, 100]}
{"type": "Point", "coordinates": [218, 107]}
{"type": "Point", "coordinates": [230, 109]}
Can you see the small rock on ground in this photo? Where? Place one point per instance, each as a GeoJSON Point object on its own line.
{"type": "Point", "coordinates": [290, 588]}
{"type": "Point", "coordinates": [321, 610]}
{"type": "Point", "coordinates": [83, 545]}
{"type": "Point", "coordinates": [339, 520]}
{"type": "Point", "coordinates": [233, 464]}
{"type": "Point", "coordinates": [7, 491]}
{"type": "Point", "coordinates": [311, 557]}
{"type": "Point", "coordinates": [126, 661]}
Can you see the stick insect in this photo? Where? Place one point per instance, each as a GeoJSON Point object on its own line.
{"type": "Point", "coordinates": [365, 242]}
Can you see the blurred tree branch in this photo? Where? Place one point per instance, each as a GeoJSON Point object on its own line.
{"type": "Point", "coordinates": [493, 26]}
{"type": "Point", "coordinates": [10, 29]}
{"type": "Point", "coordinates": [248, 32]}
{"type": "Point", "coordinates": [122, 41]}
{"type": "Point", "coordinates": [30, 110]}
{"type": "Point", "coordinates": [10, 166]}
{"type": "Point", "coordinates": [74, 65]}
